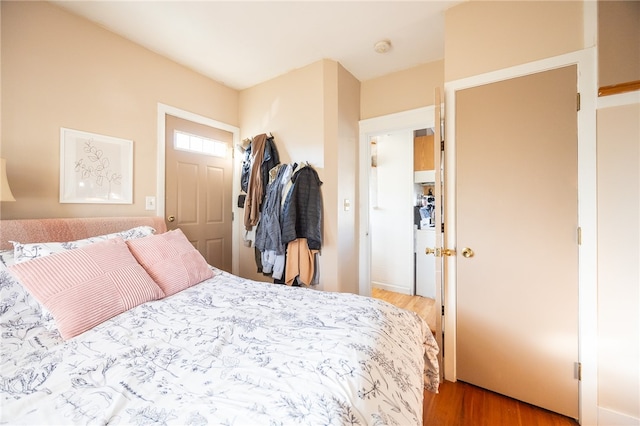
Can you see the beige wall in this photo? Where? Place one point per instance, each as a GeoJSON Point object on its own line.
{"type": "Point", "coordinates": [618, 259]}
{"type": "Point", "coordinates": [618, 42]}
{"type": "Point", "coordinates": [313, 114]}
{"type": "Point", "coordinates": [348, 89]}
{"type": "Point", "coordinates": [401, 91]}
{"type": "Point", "coordinates": [59, 70]}
{"type": "Point", "coordinates": [0, 87]}
{"type": "Point", "coordinates": [291, 108]}
{"type": "Point", "coordinates": [483, 36]}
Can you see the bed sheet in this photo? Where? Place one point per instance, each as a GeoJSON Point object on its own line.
{"type": "Point", "coordinates": [227, 351]}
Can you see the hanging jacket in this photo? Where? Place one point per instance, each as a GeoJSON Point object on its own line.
{"type": "Point", "coordinates": [246, 170]}
{"type": "Point", "coordinates": [269, 234]}
{"type": "Point", "coordinates": [255, 188]}
{"type": "Point", "coordinates": [270, 159]}
{"type": "Point", "coordinates": [302, 209]}
{"type": "Point", "coordinates": [301, 263]}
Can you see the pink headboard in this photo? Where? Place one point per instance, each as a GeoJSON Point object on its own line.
{"type": "Point", "coordinates": [70, 229]}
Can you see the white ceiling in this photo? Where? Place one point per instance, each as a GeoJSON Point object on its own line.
{"type": "Point", "coordinates": [243, 43]}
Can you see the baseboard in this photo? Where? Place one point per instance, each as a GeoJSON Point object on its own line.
{"type": "Point", "coordinates": [611, 418]}
{"type": "Point", "coordinates": [389, 287]}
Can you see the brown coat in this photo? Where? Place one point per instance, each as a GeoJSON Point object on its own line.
{"type": "Point", "coordinates": [255, 187]}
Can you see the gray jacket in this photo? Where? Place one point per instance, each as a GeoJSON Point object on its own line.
{"type": "Point", "coordinates": [268, 233]}
{"type": "Point", "coordinates": [302, 210]}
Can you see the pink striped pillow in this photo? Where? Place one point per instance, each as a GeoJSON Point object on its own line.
{"type": "Point", "coordinates": [85, 287]}
{"type": "Point", "coordinates": [171, 260]}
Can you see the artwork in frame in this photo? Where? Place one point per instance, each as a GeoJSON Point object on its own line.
{"type": "Point", "coordinates": [95, 168]}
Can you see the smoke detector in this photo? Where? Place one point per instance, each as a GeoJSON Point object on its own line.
{"type": "Point", "coordinates": [383, 46]}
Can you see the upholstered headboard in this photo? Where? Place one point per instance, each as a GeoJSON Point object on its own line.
{"type": "Point", "coordinates": [70, 229]}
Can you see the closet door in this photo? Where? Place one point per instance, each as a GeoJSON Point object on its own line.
{"type": "Point", "coordinates": [517, 248]}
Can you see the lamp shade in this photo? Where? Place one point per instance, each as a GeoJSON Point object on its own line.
{"type": "Point", "coordinates": [5, 190]}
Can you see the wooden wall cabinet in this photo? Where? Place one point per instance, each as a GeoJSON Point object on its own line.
{"type": "Point", "coordinates": [423, 164]}
{"type": "Point", "coordinates": [423, 153]}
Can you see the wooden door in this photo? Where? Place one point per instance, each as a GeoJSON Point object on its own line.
{"type": "Point", "coordinates": [517, 249]}
{"type": "Point", "coordinates": [199, 188]}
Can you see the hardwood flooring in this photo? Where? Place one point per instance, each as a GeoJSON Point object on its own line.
{"type": "Point", "coordinates": [422, 306]}
{"type": "Point", "coordinates": [462, 404]}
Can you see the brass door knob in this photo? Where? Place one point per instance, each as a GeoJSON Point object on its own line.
{"type": "Point", "coordinates": [448, 252]}
{"type": "Point", "coordinates": [171, 218]}
{"type": "Point", "coordinates": [429, 250]}
{"type": "Point", "coordinates": [467, 252]}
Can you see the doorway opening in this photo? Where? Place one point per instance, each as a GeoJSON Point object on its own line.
{"type": "Point", "coordinates": [387, 184]}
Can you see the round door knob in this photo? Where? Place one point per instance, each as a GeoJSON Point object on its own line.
{"type": "Point", "coordinates": [171, 218]}
{"type": "Point", "coordinates": [467, 252]}
{"type": "Point", "coordinates": [429, 250]}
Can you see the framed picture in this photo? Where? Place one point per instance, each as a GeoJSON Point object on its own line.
{"type": "Point", "coordinates": [95, 168]}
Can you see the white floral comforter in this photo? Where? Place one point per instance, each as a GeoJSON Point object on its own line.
{"type": "Point", "coordinates": [228, 351]}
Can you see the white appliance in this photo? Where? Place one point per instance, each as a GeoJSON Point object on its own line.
{"type": "Point", "coordinates": [425, 264]}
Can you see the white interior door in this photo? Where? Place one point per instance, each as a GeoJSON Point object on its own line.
{"type": "Point", "coordinates": [517, 248]}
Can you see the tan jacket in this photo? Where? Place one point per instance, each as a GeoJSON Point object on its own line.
{"type": "Point", "coordinates": [300, 262]}
{"type": "Point", "coordinates": [255, 187]}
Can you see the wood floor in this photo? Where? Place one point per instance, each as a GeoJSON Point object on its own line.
{"type": "Point", "coordinates": [422, 306]}
{"type": "Point", "coordinates": [462, 404]}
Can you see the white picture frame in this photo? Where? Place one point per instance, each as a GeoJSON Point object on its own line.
{"type": "Point", "coordinates": [95, 169]}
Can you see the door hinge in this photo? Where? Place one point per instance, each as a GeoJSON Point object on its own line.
{"type": "Point", "coordinates": [442, 146]}
{"type": "Point", "coordinates": [232, 216]}
{"type": "Point", "coordinates": [579, 371]}
{"type": "Point", "coordinates": [578, 101]}
{"type": "Point", "coordinates": [442, 310]}
{"type": "Point", "coordinates": [442, 227]}
{"type": "Point", "coordinates": [579, 236]}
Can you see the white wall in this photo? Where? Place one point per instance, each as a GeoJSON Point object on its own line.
{"type": "Point", "coordinates": [391, 216]}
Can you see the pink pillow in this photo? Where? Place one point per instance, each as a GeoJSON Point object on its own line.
{"type": "Point", "coordinates": [171, 260]}
{"type": "Point", "coordinates": [85, 287]}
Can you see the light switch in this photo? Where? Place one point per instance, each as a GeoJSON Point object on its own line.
{"type": "Point", "coordinates": [150, 202]}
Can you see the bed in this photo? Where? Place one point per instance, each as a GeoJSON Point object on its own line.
{"type": "Point", "coordinates": [224, 350]}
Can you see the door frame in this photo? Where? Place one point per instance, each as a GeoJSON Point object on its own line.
{"type": "Point", "coordinates": [415, 119]}
{"type": "Point", "coordinates": [587, 215]}
{"type": "Point", "coordinates": [164, 110]}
